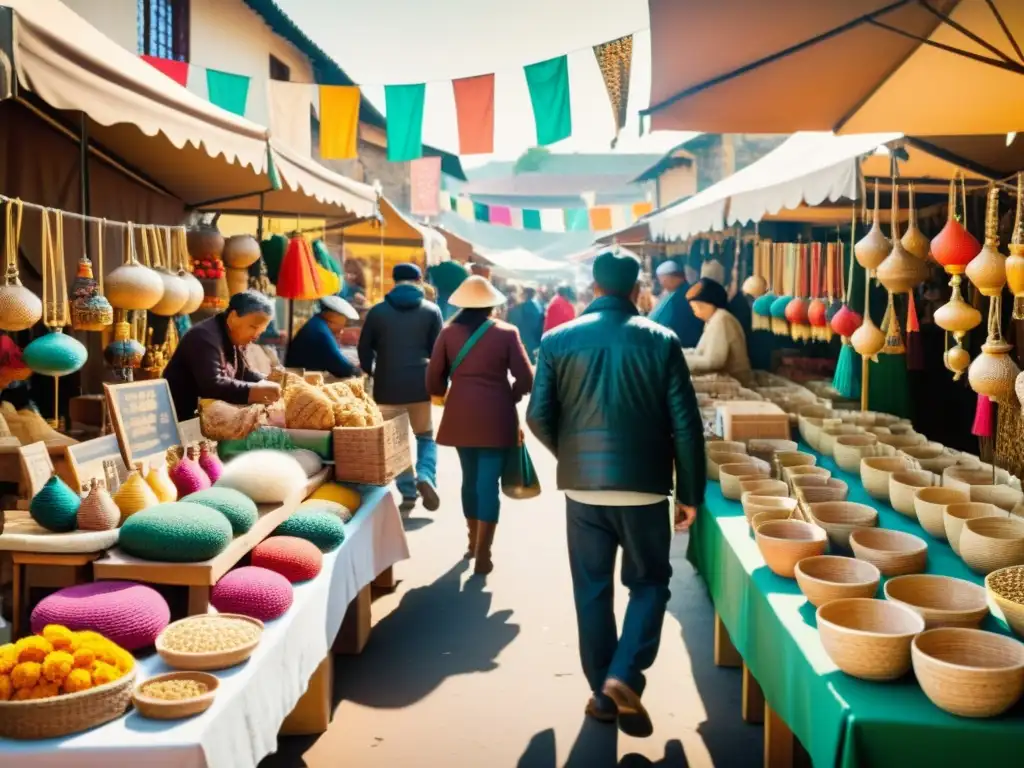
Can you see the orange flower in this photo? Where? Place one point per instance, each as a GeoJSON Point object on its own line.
{"type": "Point", "coordinates": [26, 674]}
{"type": "Point", "coordinates": [84, 658]}
{"type": "Point", "coordinates": [23, 694]}
{"type": "Point", "coordinates": [6, 688]}
{"type": "Point", "coordinates": [46, 691]}
{"type": "Point", "coordinates": [61, 638]}
{"type": "Point", "coordinates": [78, 680]}
{"type": "Point", "coordinates": [8, 658]}
{"type": "Point", "coordinates": [103, 673]}
{"type": "Point", "coordinates": [33, 648]}
{"type": "Point", "coordinates": [57, 666]}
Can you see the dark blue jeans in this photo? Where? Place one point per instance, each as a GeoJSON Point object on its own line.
{"type": "Point", "coordinates": [595, 535]}
{"type": "Point", "coordinates": [481, 482]}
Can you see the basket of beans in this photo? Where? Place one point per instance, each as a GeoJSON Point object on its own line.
{"type": "Point", "coordinates": [1006, 589]}
{"type": "Point", "coordinates": [210, 642]}
{"type": "Point", "coordinates": [175, 695]}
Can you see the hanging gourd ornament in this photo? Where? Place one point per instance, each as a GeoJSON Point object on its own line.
{"type": "Point", "coordinates": [1015, 261]}
{"type": "Point", "coordinates": [914, 240]}
{"type": "Point", "coordinates": [899, 272]}
{"type": "Point", "coordinates": [868, 340]}
{"type": "Point", "coordinates": [872, 249]}
{"type": "Point", "coordinates": [796, 310]}
{"type": "Point", "coordinates": [762, 306]}
{"type": "Point", "coordinates": [20, 309]}
{"type": "Point", "coordinates": [756, 285]}
{"type": "Point", "coordinates": [90, 310]}
{"type": "Point", "coordinates": [954, 246]}
{"type": "Point", "coordinates": [176, 291]}
{"type": "Point", "coordinates": [180, 259]}
{"type": "Point", "coordinates": [132, 285]}
{"type": "Point", "coordinates": [987, 270]}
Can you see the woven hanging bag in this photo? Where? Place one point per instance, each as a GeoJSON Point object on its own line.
{"type": "Point", "coordinates": [20, 309]}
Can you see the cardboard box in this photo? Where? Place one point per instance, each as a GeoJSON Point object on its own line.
{"type": "Point", "coordinates": [746, 420]}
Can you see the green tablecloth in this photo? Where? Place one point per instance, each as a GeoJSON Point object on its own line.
{"type": "Point", "coordinates": [841, 721]}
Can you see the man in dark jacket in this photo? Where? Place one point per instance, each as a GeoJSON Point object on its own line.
{"type": "Point", "coordinates": [612, 399]}
{"type": "Point", "coordinates": [528, 317]}
{"type": "Point", "coordinates": [673, 310]}
{"type": "Point", "coordinates": [316, 348]}
{"type": "Point", "coordinates": [394, 347]}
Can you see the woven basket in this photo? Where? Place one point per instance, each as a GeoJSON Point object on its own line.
{"type": "Point", "coordinates": [373, 455]}
{"type": "Point", "coordinates": [66, 714]}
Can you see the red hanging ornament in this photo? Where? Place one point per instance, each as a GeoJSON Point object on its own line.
{"type": "Point", "coordinates": [954, 247]}
{"type": "Point", "coordinates": [298, 277]}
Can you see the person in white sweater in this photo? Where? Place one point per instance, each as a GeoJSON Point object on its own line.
{"type": "Point", "coordinates": [723, 345]}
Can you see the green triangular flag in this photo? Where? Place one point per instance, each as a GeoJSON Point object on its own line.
{"type": "Point", "coordinates": [404, 108]}
{"type": "Point", "coordinates": [227, 90]}
{"type": "Point", "coordinates": [272, 174]}
{"type": "Point", "coordinates": [548, 82]}
{"type": "Point", "coordinates": [531, 218]}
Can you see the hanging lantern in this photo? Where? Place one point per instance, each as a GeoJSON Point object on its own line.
{"type": "Point", "coordinates": [132, 285]}
{"type": "Point", "coordinates": [756, 285]}
{"type": "Point", "coordinates": [872, 249]}
{"type": "Point", "coordinates": [954, 246]}
{"type": "Point", "coordinates": [90, 310]}
{"type": "Point", "coordinates": [987, 270]}
{"type": "Point", "coordinates": [899, 272]}
{"type": "Point", "coordinates": [914, 241]}
{"type": "Point", "coordinates": [20, 309]}
{"type": "Point", "coordinates": [868, 340]}
{"type": "Point", "coordinates": [1015, 262]}
{"type": "Point", "coordinates": [180, 261]}
{"type": "Point", "coordinates": [124, 353]}
{"type": "Point", "coordinates": [993, 373]}
{"type": "Point", "coordinates": [240, 252]}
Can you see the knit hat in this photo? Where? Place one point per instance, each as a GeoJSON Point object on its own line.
{"type": "Point", "coordinates": [709, 292]}
{"type": "Point", "coordinates": [339, 306]}
{"type": "Point", "coordinates": [616, 272]}
{"type": "Point", "coordinates": [406, 273]}
{"type": "Point", "coordinates": [670, 267]}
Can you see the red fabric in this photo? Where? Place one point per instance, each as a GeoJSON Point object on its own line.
{"type": "Point", "coordinates": [298, 277]}
{"type": "Point", "coordinates": [176, 70]}
{"type": "Point", "coordinates": [983, 418]}
{"type": "Point", "coordinates": [560, 311]}
{"type": "Point", "coordinates": [474, 109]}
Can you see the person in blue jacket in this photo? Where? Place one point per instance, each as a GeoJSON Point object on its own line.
{"type": "Point", "coordinates": [316, 347]}
{"type": "Point", "coordinates": [673, 311]}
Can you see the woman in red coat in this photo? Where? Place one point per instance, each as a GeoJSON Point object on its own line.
{"type": "Point", "coordinates": [476, 354]}
{"type": "Point", "coordinates": [561, 310]}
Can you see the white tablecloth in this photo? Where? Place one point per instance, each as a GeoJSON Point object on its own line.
{"type": "Point", "coordinates": [254, 698]}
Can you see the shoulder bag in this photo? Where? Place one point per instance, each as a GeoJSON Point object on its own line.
{"type": "Point", "coordinates": [470, 343]}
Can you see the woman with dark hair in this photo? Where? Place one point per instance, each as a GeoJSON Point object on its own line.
{"type": "Point", "coordinates": [723, 345]}
{"type": "Point", "coordinates": [475, 355]}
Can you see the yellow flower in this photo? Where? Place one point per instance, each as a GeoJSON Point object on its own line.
{"type": "Point", "coordinates": [78, 680]}
{"type": "Point", "coordinates": [62, 638]}
{"type": "Point", "coordinates": [125, 661]}
{"type": "Point", "coordinates": [6, 688]}
{"type": "Point", "coordinates": [84, 658]}
{"type": "Point", "coordinates": [26, 674]}
{"type": "Point", "coordinates": [103, 673]}
{"type": "Point", "coordinates": [46, 690]}
{"type": "Point", "coordinates": [33, 648]}
{"type": "Point", "coordinates": [8, 658]}
{"type": "Point", "coordinates": [102, 649]}
{"type": "Point", "coordinates": [23, 694]}
{"type": "Point", "coordinates": [57, 666]}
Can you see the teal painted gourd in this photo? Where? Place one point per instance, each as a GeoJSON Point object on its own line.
{"type": "Point", "coordinates": [322, 528]}
{"type": "Point", "coordinates": [55, 354]}
{"type": "Point", "coordinates": [238, 508]}
{"type": "Point", "coordinates": [177, 532]}
{"type": "Point", "coordinates": [55, 507]}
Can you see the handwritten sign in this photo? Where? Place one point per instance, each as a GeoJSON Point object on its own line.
{"type": "Point", "coordinates": [100, 459]}
{"type": "Point", "coordinates": [36, 466]}
{"type": "Point", "coordinates": [144, 419]}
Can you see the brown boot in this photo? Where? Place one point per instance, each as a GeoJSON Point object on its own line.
{"type": "Point", "coordinates": [471, 525]}
{"type": "Point", "coordinates": [482, 552]}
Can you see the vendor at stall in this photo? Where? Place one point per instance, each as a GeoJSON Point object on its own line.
{"type": "Point", "coordinates": [672, 310]}
{"type": "Point", "coordinates": [723, 345]}
{"type": "Point", "coordinates": [210, 360]}
{"type": "Point", "coordinates": [316, 347]}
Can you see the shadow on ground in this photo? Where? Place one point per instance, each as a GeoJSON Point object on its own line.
{"type": "Point", "coordinates": [596, 746]}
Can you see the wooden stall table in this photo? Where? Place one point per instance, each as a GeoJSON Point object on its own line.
{"type": "Point", "coordinates": [791, 683]}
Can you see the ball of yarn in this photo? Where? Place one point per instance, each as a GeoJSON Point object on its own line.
{"type": "Point", "coordinates": [343, 494]}
{"type": "Point", "coordinates": [188, 477]}
{"type": "Point", "coordinates": [55, 507]}
{"type": "Point", "coordinates": [310, 461]}
{"type": "Point", "coordinates": [178, 533]}
{"type": "Point", "coordinates": [322, 528]}
{"type": "Point", "coordinates": [266, 477]}
{"type": "Point", "coordinates": [129, 614]}
{"type": "Point", "coordinates": [295, 559]}
{"type": "Point", "coordinates": [55, 354]}
{"type": "Point", "coordinates": [254, 592]}
{"type": "Point", "coordinates": [340, 511]}
{"type": "Point", "coordinates": [238, 508]}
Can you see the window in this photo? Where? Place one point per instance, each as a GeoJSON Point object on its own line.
{"type": "Point", "coordinates": [163, 28]}
{"type": "Point", "coordinates": [279, 70]}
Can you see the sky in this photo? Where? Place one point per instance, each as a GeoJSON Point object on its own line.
{"type": "Point", "coordinates": [435, 41]}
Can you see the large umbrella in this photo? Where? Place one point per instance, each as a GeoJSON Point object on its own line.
{"type": "Point", "coordinates": [942, 70]}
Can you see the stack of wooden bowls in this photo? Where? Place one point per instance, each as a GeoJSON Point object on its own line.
{"type": "Point", "coordinates": [784, 543]}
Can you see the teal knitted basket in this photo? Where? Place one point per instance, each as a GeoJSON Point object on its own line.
{"type": "Point", "coordinates": [238, 508]}
{"type": "Point", "coordinates": [322, 528]}
{"type": "Point", "coordinates": [55, 354]}
{"type": "Point", "coordinates": [178, 532]}
{"type": "Point", "coordinates": [55, 507]}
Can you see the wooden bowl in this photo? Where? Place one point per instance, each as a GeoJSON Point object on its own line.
{"type": "Point", "coordinates": [930, 507]}
{"type": "Point", "coordinates": [784, 543]}
{"type": "Point", "coordinates": [786, 459]}
{"type": "Point", "coordinates": [964, 476]}
{"type": "Point", "coordinates": [827, 577]}
{"type": "Point", "coordinates": [730, 476]}
{"type": "Point", "coordinates": [812, 489]}
{"type": "Point", "coordinates": [968, 672]}
{"type": "Point", "coordinates": [810, 429]}
{"type": "Point", "coordinates": [753, 505]}
{"type": "Point", "coordinates": [894, 553]}
{"type": "Point", "coordinates": [764, 487]}
{"type": "Point", "coordinates": [829, 435]}
{"type": "Point", "coordinates": [904, 440]}
{"type": "Point", "coordinates": [990, 543]}
{"type": "Point", "coordinates": [724, 446]}
{"type": "Point", "coordinates": [766, 448]}
{"type": "Point", "coordinates": [848, 450]}
{"type": "Point", "coordinates": [1003, 496]}
{"type": "Point", "coordinates": [942, 601]}
{"type": "Point", "coordinates": [1012, 610]}
{"type": "Point", "coordinates": [208, 661]}
{"type": "Point", "coordinates": [162, 709]}
{"type": "Point", "coordinates": [769, 515]}
{"type": "Point", "coordinates": [956, 515]}
{"type": "Point", "coordinates": [717, 459]}
{"type": "Point", "coordinates": [903, 485]}
{"type": "Point", "coordinates": [791, 473]}
{"type": "Point", "coordinates": [841, 518]}
{"type": "Point", "coordinates": [868, 639]}
{"type": "Point", "coordinates": [932, 457]}
{"type": "Point", "coordinates": [875, 471]}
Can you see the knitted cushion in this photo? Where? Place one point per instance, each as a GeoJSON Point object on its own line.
{"type": "Point", "coordinates": [311, 462]}
{"type": "Point", "coordinates": [342, 494]}
{"type": "Point", "coordinates": [295, 559]}
{"type": "Point", "coordinates": [179, 532]}
{"type": "Point", "coordinates": [342, 512]}
{"type": "Point", "coordinates": [238, 508]}
{"type": "Point", "coordinates": [266, 477]}
{"type": "Point", "coordinates": [55, 507]}
{"type": "Point", "coordinates": [129, 614]}
{"type": "Point", "coordinates": [254, 592]}
{"type": "Point", "coordinates": [322, 528]}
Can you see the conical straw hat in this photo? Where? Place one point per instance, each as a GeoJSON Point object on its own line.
{"type": "Point", "coordinates": [476, 293]}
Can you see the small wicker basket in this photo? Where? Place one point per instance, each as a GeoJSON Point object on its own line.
{"type": "Point", "coordinates": [373, 455]}
{"type": "Point", "coordinates": [66, 714]}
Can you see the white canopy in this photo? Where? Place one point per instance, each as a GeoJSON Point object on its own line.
{"type": "Point", "coordinates": [518, 262]}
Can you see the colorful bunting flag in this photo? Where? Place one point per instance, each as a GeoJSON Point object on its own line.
{"type": "Point", "coordinates": [600, 218]}
{"type": "Point", "coordinates": [615, 59]}
{"type": "Point", "coordinates": [339, 123]}
{"type": "Point", "coordinates": [548, 82]}
{"type": "Point", "coordinates": [531, 219]}
{"type": "Point", "coordinates": [621, 217]}
{"type": "Point", "coordinates": [227, 91]}
{"type": "Point", "coordinates": [474, 107]}
{"type": "Point", "coordinates": [404, 107]}
{"type": "Point", "coordinates": [425, 183]}
{"type": "Point", "coordinates": [176, 70]}
{"type": "Point", "coordinates": [552, 220]}
{"type": "Point", "coordinates": [481, 212]}
{"type": "Point", "coordinates": [641, 209]}
{"type": "Point", "coordinates": [289, 114]}
{"type": "Point", "coordinates": [576, 220]}
{"type": "Point", "coordinates": [465, 208]}
{"type": "Point", "coordinates": [501, 215]}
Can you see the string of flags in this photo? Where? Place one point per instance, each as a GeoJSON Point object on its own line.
{"type": "Point", "coordinates": [547, 81]}
{"type": "Point", "coordinates": [599, 218]}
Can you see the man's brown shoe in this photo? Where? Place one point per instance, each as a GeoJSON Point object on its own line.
{"type": "Point", "coordinates": [633, 717]}
{"type": "Point", "coordinates": [601, 708]}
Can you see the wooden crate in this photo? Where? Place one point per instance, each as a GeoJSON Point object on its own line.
{"type": "Point", "coordinates": [373, 455]}
{"type": "Point", "coordinates": [744, 420]}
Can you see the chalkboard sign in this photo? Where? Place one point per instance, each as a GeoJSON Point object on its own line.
{"type": "Point", "coordinates": [90, 459]}
{"type": "Point", "coordinates": [144, 420]}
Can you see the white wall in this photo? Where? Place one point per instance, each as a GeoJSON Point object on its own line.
{"type": "Point", "coordinates": [117, 19]}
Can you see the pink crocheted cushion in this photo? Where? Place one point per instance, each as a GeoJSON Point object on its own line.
{"type": "Point", "coordinates": [129, 614]}
{"type": "Point", "coordinates": [294, 558]}
{"type": "Point", "coordinates": [254, 592]}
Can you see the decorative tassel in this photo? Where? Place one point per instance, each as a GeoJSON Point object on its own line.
{"type": "Point", "coordinates": [915, 350]}
{"type": "Point", "coordinates": [893, 333]}
{"type": "Point", "coordinates": [847, 377]}
{"type": "Point", "coordinates": [983, 427]}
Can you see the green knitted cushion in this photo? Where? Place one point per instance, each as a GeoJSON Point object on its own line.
{"type": "Point", "coordinates": [178, 532]}
{"type": "Point", "coordinates": [322, 528]}
{"type": "Point", "coordinates": [238, 508]}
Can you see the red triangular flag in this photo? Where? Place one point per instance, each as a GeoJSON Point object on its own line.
{"type": "Point", "coordinates": [176, 70]}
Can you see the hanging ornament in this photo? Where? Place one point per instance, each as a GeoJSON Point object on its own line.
{"type": "Point", "coordinates": [132, 285]}
{"type": "Point", "coordinates": [834, 280]}
{"type": "Point", "coordinates": [90, 310]}
{"type": "Point", "coordinates": [868, 340]}
{"type": "Point", "coordinates": [796, 310]}
{"type": "Point", "coordinates": [893, 332]}
{"type": "Point", "coordinates": [872, 249]}
{"type": "Point", "coordinates": [818, 307]}
{"type": "Point", "coordinates": [845, 321]}
{"type": "Point", "coordinates": [987, 270]}
{"type": "Point", "coordinates": [899, 272]}
{"type": "Point", "coordinates": [298, 278]}
{"type": "Point", "coordinates": [762, 307]}
{"type": "Point", "coordinates": [124, 354]}
{"type": "Point", "coordinates": [756, 285]}
{"type": "Point", "coordinates": [914, 241]}
{"type": "Point", "coordinates": [176, 291]}
{"type": "Point", "coordinates": [180, 259]}
{"type": "Point", "coordinates": [954, 246]}
{"type": "Point", "coordinates": [20, 309]}
{"type": "Point", "coordinates": [915, 352]}
{"type": "Point", "coordinates": [1015, 262]}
